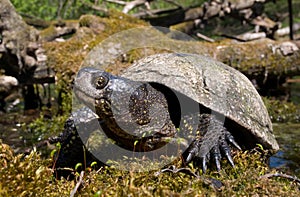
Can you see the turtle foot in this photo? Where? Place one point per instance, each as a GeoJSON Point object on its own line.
{"type": "Point", "coordinates": [212, 144]}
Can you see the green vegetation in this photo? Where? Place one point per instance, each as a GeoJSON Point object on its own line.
{"type": "Point", "coordinates": [70, 9]}
{"type": "Point", "coordinates": [50, 10]}
{"type": "Point", "coordinates": [44, 127]}
{"type": "Point", "coordinates": [282, 111]}
{"type": "Point", "coordinates": [32, 176]}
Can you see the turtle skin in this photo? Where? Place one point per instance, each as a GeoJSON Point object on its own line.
{"type": "Point", "coordinates": [148, 106]}
{"type": "Point", "coordinates": [72, 147]}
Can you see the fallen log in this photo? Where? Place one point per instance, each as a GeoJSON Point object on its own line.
{"type": "Point", "coordinates": [21, 52]}
{"type": "Point", "coordinates": [243, 10]}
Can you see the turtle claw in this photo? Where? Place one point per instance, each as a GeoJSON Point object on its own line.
{"type": "Point", "coordinates": [230, 139]}
{"type": "Point", "coordinates": [218, 165]}
{"type": "Point", "coordinates": [229, 158]}
{"type": "Point", "coordinates": [226, 151]}
{"type": "Point", "coordinates": [215, 153]}
{"type": "Point", "coordinates": [189, 158]}
{"type": "Point", "coordinates": [192, 151]}
{"type": "Point", "coordinates": [212, 144]}
{"type": "Point", "coordinates": [204, 166]}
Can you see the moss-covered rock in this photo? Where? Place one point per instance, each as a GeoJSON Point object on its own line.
{"type": "Point", "coordinates": [66, 57]}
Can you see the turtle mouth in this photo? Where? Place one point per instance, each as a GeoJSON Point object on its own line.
{"type": "Point", "coordinates": [98, 105]}
{"type": "Point", "coordinates": [83, 97]}
{"type": "Point", "coordinates": [103, 106]}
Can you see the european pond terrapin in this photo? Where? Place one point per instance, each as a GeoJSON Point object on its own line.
{"type": "Point", "coordinates": [168, 96]}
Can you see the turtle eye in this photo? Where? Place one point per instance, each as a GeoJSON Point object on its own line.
{"type": "Point", "coordinates": [100, 82]}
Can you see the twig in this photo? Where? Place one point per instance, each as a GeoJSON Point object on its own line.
{"type": "Point", "coordinates": [251, 36]}
{"type": "Point", "coordinates": [205, 37]}
{"type": "Point", "coordinates": [286, 30]}
{"type": "Point", "coordinates": [174, 170]}
{"type": "Point", "coordinates": [293, 80]}
{"type": "Point", "coordinates": [270, 175]}
{"type": "Point", "coordinates": [216, 184]}
{"type": "Point", "coordinates": [117, 2]}
{"type": "Point", "coordinates": [132, 4]}
{"type": "Point", "coordinates": [155, 12]}
{"type": "Point", "coordinates": [77, 184]}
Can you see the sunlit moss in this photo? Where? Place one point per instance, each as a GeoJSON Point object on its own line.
{"type": "Point", "coordinates": [30, 176]}
{"type": "Point", "coordinates": [66, 57]}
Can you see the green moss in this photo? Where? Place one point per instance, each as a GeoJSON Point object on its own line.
{"type": "Point", "coordinates": [66, 57]}
{"type": "Point", "coordinates": [47, 33]}
{"type": "Point", "coordinates": [22, 175]}
{"type": "Point", "coordinates": [92, 21]}
{"type": "Point", "coordinates": [86, 20]}
{"type": "Point", "coordinates": [51, 32]}
{"type": "Point", "coordinates": [124, 18]}
{"type": "Point", "coordinates": [256, 57]}
{"type": "Point", "coordinates": [30, 175]}
{"type": "Point", "coordinates": [282, 111]}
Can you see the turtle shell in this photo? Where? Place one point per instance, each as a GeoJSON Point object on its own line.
{"type": "Point", "coordinates": [214, 85]}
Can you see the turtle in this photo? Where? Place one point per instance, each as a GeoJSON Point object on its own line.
{"type": "Point", "coordinates": [163, 96]}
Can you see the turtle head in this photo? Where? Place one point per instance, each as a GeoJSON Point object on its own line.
{"type": "Point", "coordinates": [129, 110]}
{"type": "Point", "coordinates": [103, 92]}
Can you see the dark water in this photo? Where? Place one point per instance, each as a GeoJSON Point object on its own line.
{"type": "Point", "coordinates": [288, 157]}
{"type": "Point", "coordinates": [288, 137]}
{"type": "Point", "coordinates": [13, 133]}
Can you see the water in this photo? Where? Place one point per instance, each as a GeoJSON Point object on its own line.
{"type": "Point", "coordinates": [12, 131]}
{"type": "Point", "coordinates": [288, 157]}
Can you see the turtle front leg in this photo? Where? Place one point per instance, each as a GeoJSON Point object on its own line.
{"type": "Point", "coordinates": [73, 149]}
{"type": "Point", "coordinates": [211, 143]}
